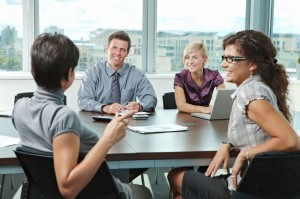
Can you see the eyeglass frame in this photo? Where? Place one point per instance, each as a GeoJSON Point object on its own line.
{"type": "Point", "coordinates": [233, 58]}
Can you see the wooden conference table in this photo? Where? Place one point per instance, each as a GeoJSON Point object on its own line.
{"type": "Point", "coordinates": [188, 148]}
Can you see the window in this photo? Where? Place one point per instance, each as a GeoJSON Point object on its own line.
{"type": "Point", "coordinates": [11, 28]}
{"type": "Point", "coordinates": [286, 34]}
{"type": "Point", "coordinates": [89, 26]}
{"type": "Point", "coordinates": [159, 29]}
{"type": "Point", "coordinates": [188, 22]}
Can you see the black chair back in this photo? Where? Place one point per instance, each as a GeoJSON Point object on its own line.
{"type": "Point", "coordinates": [30, 94]}
{"type": "Point", "coordinates": [271, 175]}
{"type": "Point", "coordinates": [169, 101]}
{"type": "Point", "coordinates": [41, 182]}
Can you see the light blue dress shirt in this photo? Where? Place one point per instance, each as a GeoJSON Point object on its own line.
{"type": "Point", "coordinates": [95, 89]}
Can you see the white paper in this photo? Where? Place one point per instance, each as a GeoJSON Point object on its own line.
{"type": "Point", "coordinates": [5, 113]}
{"type": "Point", "coordinates": [137, 113]}
{"type": "Point", "coordinates": [158, 128]}
{"type": "Point", "coordinates": [7, 141]}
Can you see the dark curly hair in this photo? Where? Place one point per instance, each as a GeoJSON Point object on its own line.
{"type": "Point", "coordinates": [259, 49]}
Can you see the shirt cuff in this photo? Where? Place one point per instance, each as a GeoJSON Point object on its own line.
{"type": "Point", "coordinates": [141, 107]}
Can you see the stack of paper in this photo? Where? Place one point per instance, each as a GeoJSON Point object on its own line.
{"type": "Point", "coordinates": [162, 128]}
{"type": "Point", "coordinates": [7, 141]}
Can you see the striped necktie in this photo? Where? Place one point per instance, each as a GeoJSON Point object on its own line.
{"type": "Point", "coordinates": [115, 89]}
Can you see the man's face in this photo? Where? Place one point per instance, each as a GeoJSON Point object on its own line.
{"type": "Point", "coordinates": [117, 52]}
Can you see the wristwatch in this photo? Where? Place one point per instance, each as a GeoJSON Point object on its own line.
{"type": "Point", "coordinates": [227, 142]}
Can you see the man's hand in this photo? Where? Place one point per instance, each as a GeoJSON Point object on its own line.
{"type": "Point", "coordinates": [113, 108]}
{"type": "Point", "coordinates": [133, 106]}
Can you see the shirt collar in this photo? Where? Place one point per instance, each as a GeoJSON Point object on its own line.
{"type": "Point", "coordinates": [43, 95]}
{"type": "Point", "coordinates": [111, 71]}
{"type": "Point", "coordinates": [189, 77]}
{"type": "Point", "coordinates": [254, 78]}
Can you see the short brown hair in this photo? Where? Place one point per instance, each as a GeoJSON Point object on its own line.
{"type": "Point", "coordinates": [121, 35]}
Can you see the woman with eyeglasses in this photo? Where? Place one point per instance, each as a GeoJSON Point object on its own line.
{"type": "Point", "coordinates": [259, 120]}
{"type": "Point", "coordinates": [194, 86]}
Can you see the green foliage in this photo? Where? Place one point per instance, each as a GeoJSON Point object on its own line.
{"type": "Point", "coordinates": [10, 63]}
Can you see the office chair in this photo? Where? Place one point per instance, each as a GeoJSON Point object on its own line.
{"type": "Point", "coordinates": [271, 175]}
{"type": "Point", "coordinates": [41, 182]}
{"type": "Point", "coordinates": [168, 103]}
{"type": "Point", "coordinates": [30, 94]}
{"type": "Point", "coordinates": [17, 97]}
{"type": "Point", "coordinates": [169, 100]}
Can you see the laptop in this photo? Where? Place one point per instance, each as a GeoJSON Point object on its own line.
{"type": "Point", "coordinates": [222, 106]}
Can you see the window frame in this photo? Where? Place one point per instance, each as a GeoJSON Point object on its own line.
{"type": "Point", "coordinates": [258, 16]}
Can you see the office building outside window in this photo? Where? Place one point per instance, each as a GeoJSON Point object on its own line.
{"type": "Point", "coordinates": [11, 33]}
{"type": "Point", "coordinates": [159, 30]}
{"type": "Point", "coordinates": [182, 22]}
{"type": "Point", "coordinates": [286, 34]}
{"type": "Point", "coordinates": [89, 24]}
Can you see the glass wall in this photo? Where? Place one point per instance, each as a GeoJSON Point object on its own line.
{"type": "Point", "coordinates": [286, 34]}
{"type": "Point", "coordinates": [11, 29]}
{"type": "Point", "coordinates": [182, 22]}
{"type": "Point", "coordinates": [89, 26]}
{"type": "Point", "coordinates": [159, 29]}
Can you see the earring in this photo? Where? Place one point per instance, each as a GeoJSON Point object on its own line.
{"type": "Point", "coordinates": [250, 73]}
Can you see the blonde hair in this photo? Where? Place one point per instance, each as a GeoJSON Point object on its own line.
{"type": "Point", "coordinates": [193, 47]}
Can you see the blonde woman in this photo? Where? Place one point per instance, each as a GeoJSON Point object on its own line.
{"type": "Point", "coordinates": [195, 84]}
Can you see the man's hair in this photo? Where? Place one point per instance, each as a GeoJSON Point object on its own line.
{"type": "Point", "coordinates": [52, 55]}
{"type": "Point", "coordinates": [121, 35]}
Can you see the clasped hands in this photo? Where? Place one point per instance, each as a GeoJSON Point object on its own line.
{"type": "Point", "coordinates": [116, 107]}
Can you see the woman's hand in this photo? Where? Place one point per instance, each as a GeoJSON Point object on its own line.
{"type": "Point", "coordinates": [205, 109]}
{"type": "Point", "coordinates": [239, 166]}
{"type": "Point", "coordinates": [115, 130]}
{"type": "Point", "coordinates": [221, 158]}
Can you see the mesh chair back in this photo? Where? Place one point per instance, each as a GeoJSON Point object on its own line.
{"type": "Point", "coordinates": [39, 169]}
{"type": "Point", "coordinates": [272, 175]}
{"type": "Point", "coordinates": [30, 94]}
{"type": "Point", "coordinates": [21, 95]}
{"type": "Point", "coordinates": [169, 100]}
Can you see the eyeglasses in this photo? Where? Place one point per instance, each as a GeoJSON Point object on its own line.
{"type": "Point", "coordinates": [231, 59]}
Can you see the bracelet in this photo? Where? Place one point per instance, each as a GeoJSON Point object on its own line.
{"type": "Point", "coordinates": [247, 156]}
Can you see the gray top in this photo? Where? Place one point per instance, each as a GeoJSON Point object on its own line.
{"type": "Point", "coordinates": [40, 118]}
{"type": "Point", "coordinates": [242, 132]}
{"type": "Point", "coordinates": [95, 89]}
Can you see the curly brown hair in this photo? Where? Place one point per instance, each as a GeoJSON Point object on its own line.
{"type": "Point", "coordinates": [259, 49]}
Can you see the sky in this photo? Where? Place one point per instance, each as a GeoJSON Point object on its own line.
{"type": "Point", "coordinates": [79, 17]}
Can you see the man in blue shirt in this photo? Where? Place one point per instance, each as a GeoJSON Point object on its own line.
{"type": "Point", "coordinates": [95, 92]}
